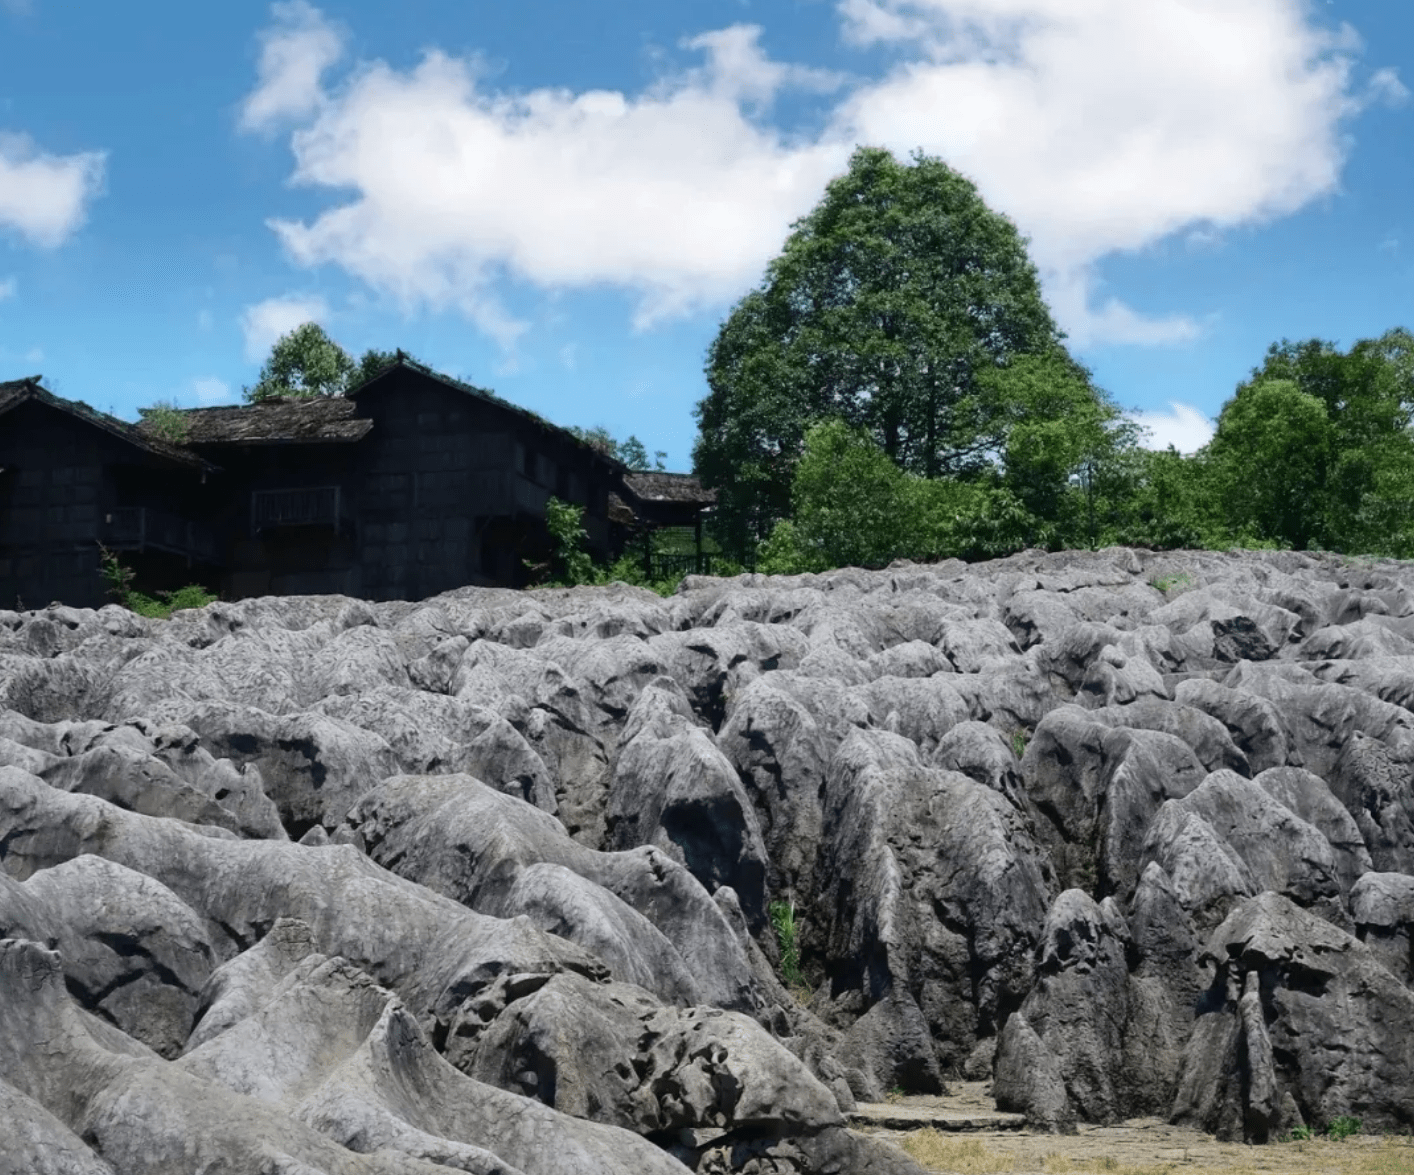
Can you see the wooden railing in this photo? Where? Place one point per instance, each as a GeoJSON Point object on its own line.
{"type": "Point", "coordinates": [315, 506]}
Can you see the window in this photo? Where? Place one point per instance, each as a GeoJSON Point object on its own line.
{"type": "Point", "coordinates": [318, 506]}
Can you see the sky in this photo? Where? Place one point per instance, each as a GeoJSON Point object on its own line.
{"type": "Point", "coordinates": [561, 200]}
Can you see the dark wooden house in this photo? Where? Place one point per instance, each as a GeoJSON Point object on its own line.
{"type": "Point", "coordinates": [411, 485]}
{"type": "Point", "coordinates": [72, 478]}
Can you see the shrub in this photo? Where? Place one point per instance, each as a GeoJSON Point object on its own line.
{"type": "Point", "coordinates": [165, 421]}
{"type": "Point", "coordinates": [1342, 1128]}
{"type": "Point", "coordinates": [120, 587]}
{"type": "Point", "coordinates": [783, 920]}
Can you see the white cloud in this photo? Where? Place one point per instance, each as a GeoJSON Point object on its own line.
{"type": "Point", "coordinates": [294, 54]}
{"type": "Point", "coordinates": [266, 321]}
{"type": "Point", "coordinates": [1099, 126]}
{"type": "Point", "coordinates": [45, 197]}
{"type": "Point", "coordinates": [210, 390]}
{"type": "Point", "coordinates": [1103, 126]}
{"type": "Point", "coordinates": [1385, 89]}
{"type": "Point", "coordinates": [8, 287]}
{"type": "Point", "coordinates": [1072, 301]}
{"type": "Point", "coordinates": [675, 195]}
{"type": "Point", "coordinates": [1182, 426]}
{"type": "Point", "coordinates": [737, 68]}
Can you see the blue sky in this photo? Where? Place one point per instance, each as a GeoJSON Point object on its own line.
{"type": "Point", "coordinates": [561, 200]}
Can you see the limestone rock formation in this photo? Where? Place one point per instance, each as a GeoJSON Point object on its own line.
{"type": "Point", "coordinates": [486, 882]}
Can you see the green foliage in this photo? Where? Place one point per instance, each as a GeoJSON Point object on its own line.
{"type": "Point", "coordinates": [1064, 444]}
{"type": "Point", "coordinates": [628, 568]}
{"type": "Point", "coordinates": [165, 421]}
{"type": "Point", "coordinates": [118, 578]}
{"type": "Point", "coordinates": [306, 363]}
{"type": "Point", "coordinates": [1018, 743]}
{"type": "Point", "coordinates": [631, 452]}
{"type": "Point", "coordinates": [571, 563]}
{"type": "Point", "coordinates": [1181, 582]}
{"type": "Point", "coordinates": [371, 363]}
{"type": "Point", "coordinates": [1271, 457]}
{"type": "Point", "coordinates": [782, 916]}
{"type": "Point", "coordinates": [120, 587]}
{"type": "Point", "coordinates": [1339, 1129]}
{"type": "Point", "coordinates": [1316, 450]}
{"type": "Point", "coordinates": [852, 506]}
{"type": "Point", "coordinates": [1299, 1134]}
{"type": "Point", "coordinates": [884, 305]}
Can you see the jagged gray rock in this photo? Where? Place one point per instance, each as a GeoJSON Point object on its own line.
{"type": "Point", "coordinates": [1129, 832]}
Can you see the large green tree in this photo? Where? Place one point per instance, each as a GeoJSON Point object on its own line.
{"type": "Point", "coordinates": [885, 303]}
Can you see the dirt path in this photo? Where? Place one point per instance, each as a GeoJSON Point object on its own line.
{"type": "Point", "coordinates": [1141, 1146]}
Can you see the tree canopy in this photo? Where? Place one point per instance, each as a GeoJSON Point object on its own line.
{"type": "Point", "coordinates": [632, 452]}
{"type": "Point", "coordinates": [306, 363]}
{"type": "Point", "coordinates": [884, 307]}
{"type": "Point", "coordinates": [1315, 450]}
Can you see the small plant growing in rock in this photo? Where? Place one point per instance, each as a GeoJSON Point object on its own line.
{"type": "Point", "coordinates": [783, 921]}
{"type": "Point", "coordinates": [1181, 581]}
{"type": "Point", "coordinates": [1018, 743]}
{"type": "Point", "coordinates": [1339, 1129]}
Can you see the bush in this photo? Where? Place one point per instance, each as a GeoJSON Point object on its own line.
{"type": "Point", "coordinates": [1342, 1128]}
{"type": "Point", "coordinates": [120, 587]}
{"type": "Point", "coordinates": [854, 507]}
{"type": "Point", "coordinates": [570, 561]}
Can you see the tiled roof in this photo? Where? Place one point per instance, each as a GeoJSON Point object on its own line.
{"type": "Point", "coordinates": [323, 420]}
{"type": "Point", "coordinates": [649, 486]}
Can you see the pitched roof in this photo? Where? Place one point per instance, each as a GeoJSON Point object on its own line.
{"type": "Point", "coordinates": [19, 391]}
{"type": "Point", "coordinates": [411, 364]}
{"type": "Point", "coordinates": [650, 486]}
{"type": "Point", "coordinates": [322, 420]}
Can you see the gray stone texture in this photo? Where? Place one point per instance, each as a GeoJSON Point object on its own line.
{"type": "Point", "coordinates": [484, 882]}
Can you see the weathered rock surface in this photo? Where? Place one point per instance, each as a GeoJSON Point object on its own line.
{"type": "Point", "coordinates": [485, 882]}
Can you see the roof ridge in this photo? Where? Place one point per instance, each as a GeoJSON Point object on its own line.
{"type": "Point", "coordinates": [131, 433]}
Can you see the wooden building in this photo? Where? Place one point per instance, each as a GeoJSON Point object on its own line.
{"type": "Point", "coordinates": [412, 484]}
{"type": "Point", "coordinates": [72, 478]}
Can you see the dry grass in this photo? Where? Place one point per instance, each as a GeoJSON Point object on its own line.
{"type": "Point", "coordinates": [941, 1152]}
{"type": "Point", "coordinates": [965, 1156]}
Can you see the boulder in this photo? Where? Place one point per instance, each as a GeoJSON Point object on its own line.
{"type": "Point", "coordinates": [1298, 1010]}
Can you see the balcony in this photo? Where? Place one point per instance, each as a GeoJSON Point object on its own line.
{"type": "Point", "coordinates": [316, 506]}
{"type": "Point", "coordinates": [139, 528]}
